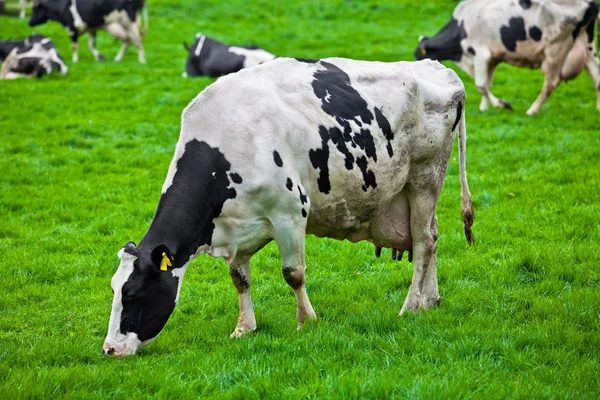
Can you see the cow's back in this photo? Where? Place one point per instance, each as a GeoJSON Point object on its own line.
{"type": "Point", "coordinates": [337, 137]}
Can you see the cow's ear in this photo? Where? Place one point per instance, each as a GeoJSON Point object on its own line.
{"type": "Point", "coordinates": [130, 248]}
{"type": "Point", "coordinates": [162, 259]}
{"type": "Point", "coordinates": [187, 47]}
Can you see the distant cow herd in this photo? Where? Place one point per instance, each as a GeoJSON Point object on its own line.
{"type": "Point", "coordinates": [338, 148]}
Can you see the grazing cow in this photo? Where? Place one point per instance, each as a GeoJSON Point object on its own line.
{"type": "Point", "coordinates": [209, 57]}
{"type": "Point", "coordinates": [32, 56]}
{"type": "Point", "coordinates": [556, 36]}
{"type": "Point", "coordinates": [121, 18]}
{"type": "Point", "coordinates": [337, 148]}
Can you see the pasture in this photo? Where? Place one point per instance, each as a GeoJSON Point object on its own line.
{"type": "Point", "coordinates": [82, 163]}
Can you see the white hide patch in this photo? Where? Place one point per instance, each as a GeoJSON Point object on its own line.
{"type": "Point", "coordinates": [200, 45]}
{"type": "Point", "coordinates": [179, 273]}
{"type": "Point", "coordinates": [118, 17]}
{"type": "Point", "coordinates": [253, 56]}
{"type": "Point", "coordinates": [77, 21]}
{"type": "Point", "coordinates": [114, 337]}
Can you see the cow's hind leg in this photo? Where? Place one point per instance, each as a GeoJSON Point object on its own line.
{"type": "Point", "coordinates": [422, 202]}
{"type": "Point", "coordinates": [593, 68]}
{"type": "Point", "coordinates": [430, 293]}
{"type": "Point", "coordinates": [290, 238]}
{"type": "Point", "coordinates": [136, 38]}
{"type": "Point", "coordinates": [551, 67]}
{"type": "Point", "coordinates": [92, 46]}
{"type": "Point", "coordinates": [240, 275]}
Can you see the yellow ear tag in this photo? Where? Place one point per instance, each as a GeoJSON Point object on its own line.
{"type": "Point", "coordinates": [423, 52]}
{"type": "Point", "coordinates": [165, 262]}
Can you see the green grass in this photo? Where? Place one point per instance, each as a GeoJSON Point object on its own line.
{"type": "Point", "coordinates": [82, 162]}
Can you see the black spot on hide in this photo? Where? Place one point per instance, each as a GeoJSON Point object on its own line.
{"type": "Point", "coordinates": [236, 178]}
{"type": "Point", "coordinates": [384, 124]}
{"type": "Point", "coordinates": [458, 116]}
{"type": "Point", "coordinates": [525, 4]}
{"type": "Point", "coordinates": [471, 51]}
{"type": "Point", "coordinates": [515, 31]}
{"type": "Point", "coordinates": [344, 103]}
{"type": "Point", "coordinates": [587, 21]}
{"type": "Point", "coordinates": [289, 184]}
{"type": "Point", "coordinates": [535, 33]}
{"type": "Point", "coordinates": [277, 159]}
{"type": "Point", "coordinates": [185, 213]}
{"type": "Point", "coordinates": [303, 197]}
{"type": "Point", "coordinates": [304, 214]}
{"type": "Point", "coordinates": [306, 60]}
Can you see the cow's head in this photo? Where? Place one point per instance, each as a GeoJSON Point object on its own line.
{"type": "Point", "coordinates": [44, 10]}
{"type": "Point", "coordinates": [39, 13]}
{"type": "Point", "coordinates": [192, 64]}
{"type": "Point", "coordinates": [445, 45]}
{"type": "Point", "coordinates": [145, 286]}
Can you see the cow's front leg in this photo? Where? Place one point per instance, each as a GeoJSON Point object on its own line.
{"type": "Point", "coordinates": [92, 46]}
{"type": "Point", "coordinates": [484, 68]}
{"type": "Point", "coordinates": [422, 212]}
{"type": "Point", "coordinates": [593, 68]}
{"type": "Point", "coordinates": [22, 7]}
{"type": "Point", "coordinates": [74, 44]}
{"type": "Point", "coordinates": [240, 275]}
{"type": "Point", "coordinates": [136, 38]}
{"type": "Point", "coordinates": [291, 246]}
{"type": "Point", "coordinates": [551, 67]}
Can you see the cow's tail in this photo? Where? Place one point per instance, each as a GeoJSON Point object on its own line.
{"type": "Point", "coordinates": [143, 30]}
{"type": "Point", "coordinates": [466, 202]}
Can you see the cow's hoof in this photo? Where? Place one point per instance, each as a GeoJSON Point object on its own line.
{"type": "Point", "coordinates": [239, 332]}
{"type": "Point", "coordinates": [506, 105]}
{"type": "Point", "coordinates": [377, 251]}
{"type": "Point", "coordinates": [430, 302]}
{"type": "Point", "coordinates": [532, 111]}
{"type": "Point", "coordinates": [100, 57]}
{"type": "Point", "coordinates": [411, 304]}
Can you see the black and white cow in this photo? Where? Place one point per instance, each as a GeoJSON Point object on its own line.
{"type": "Point", "coordinates": [337, 148]}
{"type": "Point", "coordinates": [121, 18]}
{"type": "Point", "coordinates": [556, 36]}
{"type": "Point", "coordinates": [209, 57]}
{"type": "Point", "coordinates": [32, 56]}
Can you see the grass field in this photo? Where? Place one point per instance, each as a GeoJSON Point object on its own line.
{"type": "Point", "coordinates": [82, 163]}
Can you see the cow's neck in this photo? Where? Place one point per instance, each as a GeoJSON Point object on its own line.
{"type": "Point", "coordinates": [186, 210]}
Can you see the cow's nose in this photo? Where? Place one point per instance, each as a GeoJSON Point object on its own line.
{"type": "Point", "coordinates": [109, 351]}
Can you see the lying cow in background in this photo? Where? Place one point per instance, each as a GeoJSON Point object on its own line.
{"type": "Point", "coordinates": [33, 56]}
{"type": "Point", "coordinates": [209, 57]}
{"type": "Point", "coordinates": [121, 18]}
{"type": "Point", "coordinates": [337, 148]}
{"type": "Point", "coordinates": [556, 36]}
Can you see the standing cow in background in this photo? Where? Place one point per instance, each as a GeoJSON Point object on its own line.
{"type": "Point", "coordinates": [121, 18]}
{"type": "Point", "coordinates": [33, 56]}
{"type": "Point", "coordinates": [22, 7]}
{"type": "Point", "coordinates": [337, 148]}
{"type": "Point", "coordinates": [209, 57]}
{"type": "Point", "coordinates": [556, 36]}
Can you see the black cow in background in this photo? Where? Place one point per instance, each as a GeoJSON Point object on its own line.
{"type": "Point", "coordinates": [32, 56]}
{"type": "Point", "coordinates": [121, 18]}
{"type": "Point", "coordinates": [209, 57]}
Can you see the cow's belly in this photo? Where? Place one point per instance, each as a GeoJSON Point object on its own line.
{"type": "Point", "coordinates": [527, 55]}
{"type": "Point", "coordinates": [385, 226]}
